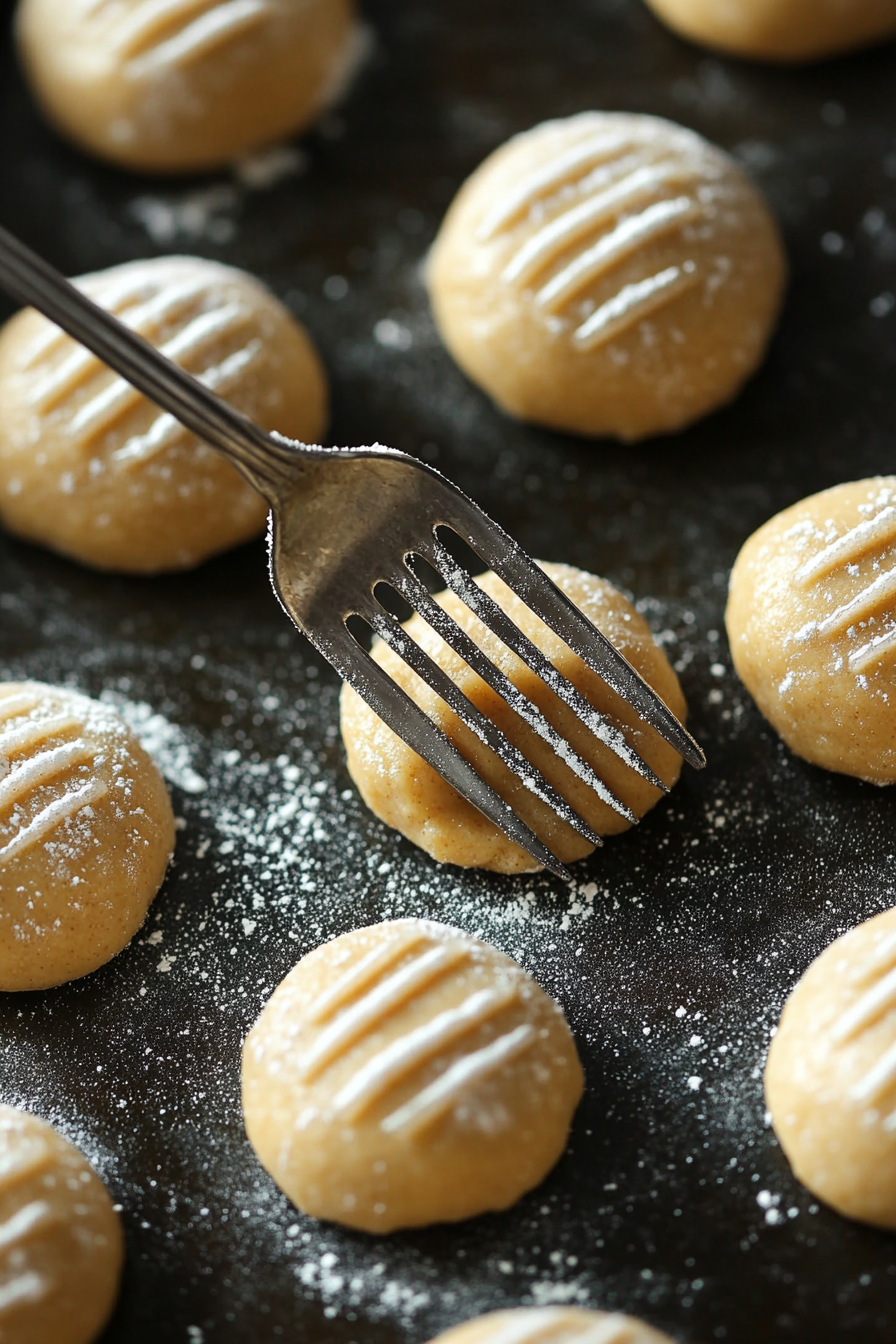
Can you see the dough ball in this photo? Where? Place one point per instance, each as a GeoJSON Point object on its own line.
{"type": "Point", "coordinates": [408, 1074]}
{"type": "Point", "coordinates": [406, 793]}
{"type": "Point", "coordinates": [830, 1080]}
{"type": "Point", "coordinates": [61, 1246]}
{"type": "Point", "coordinates": [86, 832]}
{"type": "Point", "coordinates": [91, 468]}
{"type": "Point", "coordinates": [553, 1325]}
{"type": "Point", "coordinates": [608, 274]}
{"type": "Point", "coordinates": [780, 30]}
{"type": "Point", "coordinates": [185, 85]}
{"type": "Point", "coordinates": [812, 623]}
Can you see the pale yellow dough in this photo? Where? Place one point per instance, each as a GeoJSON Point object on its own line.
{"type": "Point", "coordinates": [812, 623]}
{"type": "Point", "coordinates": [830, 1080]}
{"type": "Point", "coordinates": [610, 274]}
{"type": "Point", "coordinates": [780, 30]}
{"type": "Point", "coordinates": [92, 469]}
{"type": "Point", "coordinates": [86, 831]}
{"type": "Point", "coordinates": [62, 1247]}
{"type": "Point", "coordinates": [407, 793]}
{"type": "Point", "coordinates": [187, 84]}
{"type": "Point", "coordinates": [408, 1074]}
{"type": "Point", "coordinates": [553, 1325]}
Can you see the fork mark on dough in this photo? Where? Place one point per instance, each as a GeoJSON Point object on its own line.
{"type": "Point", "coordinates": [81, 365]}
{"type": "Point", "coordinates": [17, 703]}
{"type": "Point", "coordinates": [880, 998]}
{"type": "Point", "coordinates": [31, 734]}
{"type": "Point", "coordinates": [166, 431]}
{"type": "Point", "coordinates": [851, 547]}
{"type": "Point", "coordinates": [633, 303]}
{"type": "Point", "coordinates": [366, 1013]}
{"type": "Point", "coordinates": [628, 235]}
{"type": "Point", "coordinates": [375, 1079]}
{"type": "Point", "coordinates": [448, 1090]}
{"type": "Point", "coordinates": [23, 1288]}
{"type": "Point", "coordinates": [118, 396]}
{"type": "Point", "coordinates": [881, 646]}
{"type": "Point", "coordinates": [24, 1222]}
{"type": "Point", "coordinates": [152, 42]}
{"type": "Point", "coordinates": [583, 218]}
{"type": "Point", "coordinates": [541, 1327]}
{"type": "Point", "coordinates": [874, 601]}
{"type": "Point", "coordinates": [587, 155]}
{"type": "Point", "coordinates": [51, 817]}
{"type": "Point", "coordinates": [40, 769]}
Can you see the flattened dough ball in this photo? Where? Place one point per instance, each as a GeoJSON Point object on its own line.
{"type": "Point", "coordinates": [90, 468]}
{"type": "Point", "coordinates": [830, 1080]}
{"type": "Point", "coordinates": [62, 1248]}
{"type": "Point", "coordinates": [812, 623]}
{"type": "Point", "coordinates": [407, 793]}
{"type": "Point", "coordinates": [188, 84]}
{"type": "Point", "coordinates": [553, 1325]}
{"type": "Point", "coordinates": [86, 832]}
{"type": "Point", "coordinates": [408, 1074]}
{"type": "Point", "coordinates": [780, 30]}
{"type": "Point", "coordinates": [609, 274]}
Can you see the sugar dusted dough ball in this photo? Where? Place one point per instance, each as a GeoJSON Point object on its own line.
{"type": "Point", "coordinates": [830, 1080]}
{"type": "Point", "coordinates": [187, 84]}
{"type": "Point", "coordinates": [408, 1074]}
{"type": "Point", "coordinates": [780, 30]}
{"type": "Point", "coordinates": [62, 1249]}
{"type": "Point", "coordinates": [553, 1325]}
{"type": "Point", "coordinates": [812, 623]}
{"type": "Point", "coordinates": [407, 793]}
{"type": "Point", "coordinates": [608, 274]}
{"type": "Point", "coordinates": [86, 831]}
{"type": "Point", "coordinates": [91, 468]}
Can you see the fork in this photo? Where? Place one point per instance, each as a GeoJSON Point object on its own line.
{"type": "Point", "coordinates": [343, 522]}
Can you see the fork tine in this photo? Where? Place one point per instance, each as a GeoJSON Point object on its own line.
{"type": "Point", "coordinates": [391, 631]}
{"type": "Point", "coordinates": [501, 625]}
{"type": "Point", "coordinates": [413, 592]}
{"type": "Point", "coordinates": [502, 554]}
{"type": "Point", "coordinates": [399, 712]}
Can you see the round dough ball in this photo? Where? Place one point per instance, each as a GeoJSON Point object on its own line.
{"type": "Point", "coordinates": [553, 1325]}
{"type": "Point", "coordinates": [91, 468]}
{"type": "Point", "coordinates": [812, 623]}
{"type": "Point", "coordinates": [780, 30]}
{"type": "Point", "coordinates": [408, 1074]}
{"type": "Point", "coordinates": [86, 832]}
{"type": "Point", "coordinates": [188, 84]}
{"type": "Point", "coordinates": [62, 1248]}
{"type": "Point", "coordinates": [608, 274]}
{"type": "Point", "coordinates": [830, 1080]}
{"type": "Point", "coordinates": [408, 794]}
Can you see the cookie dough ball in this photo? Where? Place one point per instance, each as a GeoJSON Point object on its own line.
{"type": "Point", "coordinates": [553, 1325]}
{"type": "Point", "coordinates": [608, 274]}
{"type": "Point", "coordinates": [86, 832]}
{"type": "Point", "coordinates": [812, 623]}
{"type": "Point", "coordinates": [780, 30]}
{"type": "Point", "coordinates": [830, 1080]}
{"type": "Point", "coordinates": [187, 84]}
{"type": "Point", "coordinates": [406, 793]}
{"type": "Point", "coordinates": [91, 468]}
{"type": "Point", "coordinates": [61, 1247]}
{"type": "Point", "coordinates": [408, 1074]}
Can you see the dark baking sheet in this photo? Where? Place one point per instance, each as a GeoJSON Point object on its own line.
{"type": "Point", "coordinates": [673, 1201]}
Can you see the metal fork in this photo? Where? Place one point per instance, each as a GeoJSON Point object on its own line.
{"type": "Point", "coordinates": [344, 521]}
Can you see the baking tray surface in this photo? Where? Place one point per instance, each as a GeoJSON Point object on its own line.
{"type": "Point", "coordinates": [674, 951]}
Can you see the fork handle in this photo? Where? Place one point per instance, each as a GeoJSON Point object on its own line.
{"type": "Point", "coordinates": [31, 280]}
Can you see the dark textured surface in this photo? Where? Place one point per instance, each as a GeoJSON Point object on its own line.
{"type": "Point", "coordinates": [674, 1201]}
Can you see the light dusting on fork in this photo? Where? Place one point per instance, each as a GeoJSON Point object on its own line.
{"type": "Point", "coordinates": [346, 521]}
